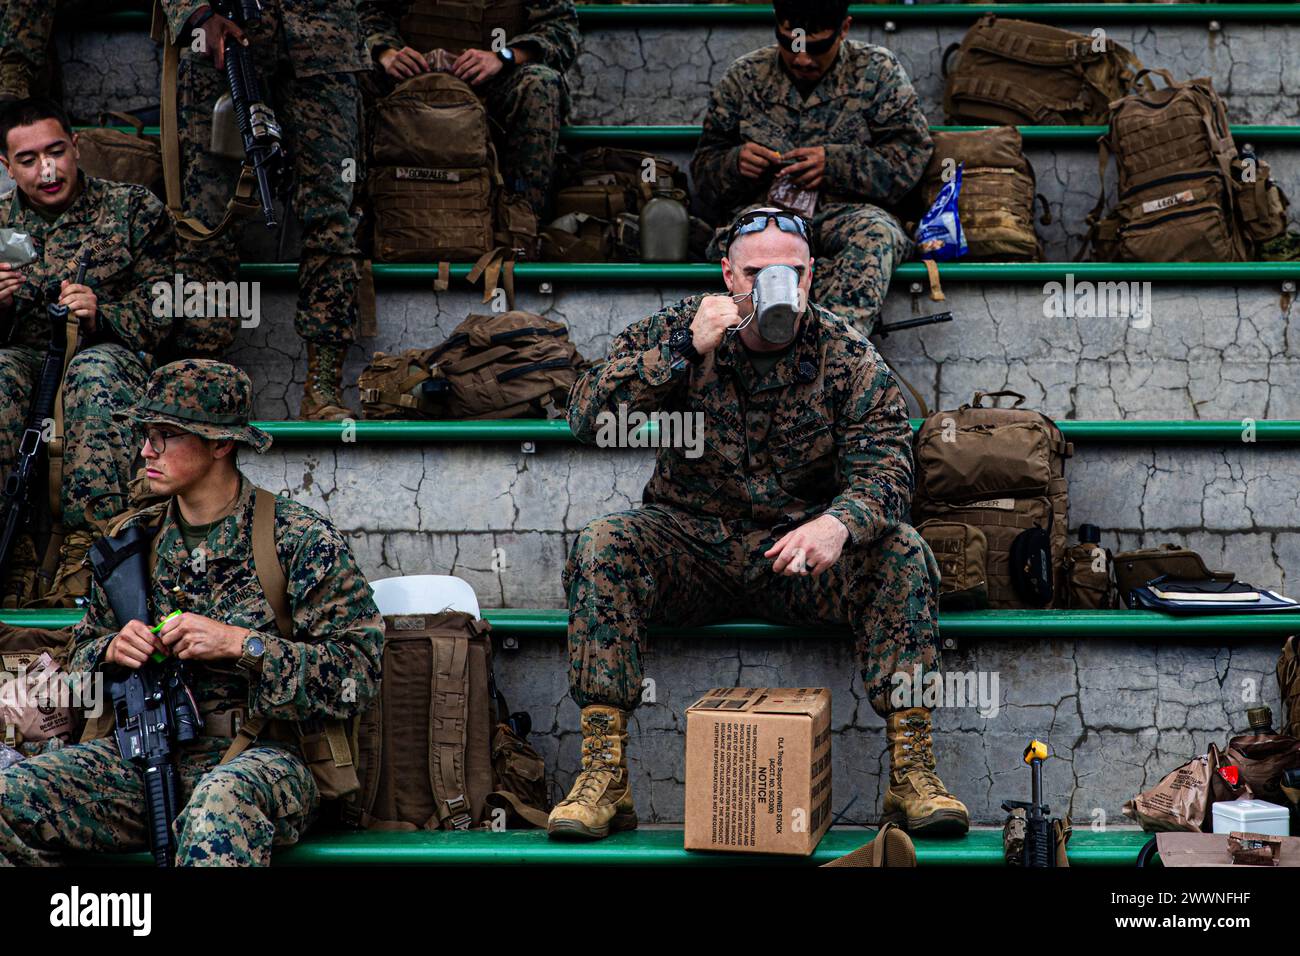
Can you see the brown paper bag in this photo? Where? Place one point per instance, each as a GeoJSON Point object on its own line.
{"type": "Point", "coordinates": [1182, 800]}
{"type": "Point", "coordinates": [33, 706]}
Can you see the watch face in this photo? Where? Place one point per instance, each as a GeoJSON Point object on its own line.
{"type": "Point", "coordinates": [254, 646]}
{"type": "Point", "coordinates": [507, 54]}
{"type": "Point", "coordinates": [679, 338]}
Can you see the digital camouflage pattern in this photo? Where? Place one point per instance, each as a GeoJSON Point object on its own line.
{"type": "Point", "coordinates": [264, 796]}
{"type": "Point", "coordinates": [130, 239]}
{"type": "Point", "coordinates": [84, 796]}
{"type": "Point", "coordinates": [25, 30]}
{"type": "Point", "coordinates": [307, 55]}
{"type": "Point", "coordinates": [528, 103]}
{"type": "Point", "coordinates": [825, 431]}
{"type": "Point", "coordinates": [865, 112]}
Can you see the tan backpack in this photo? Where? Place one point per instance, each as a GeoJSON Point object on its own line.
{"type": "Point", "coordinates": [1001, 471]}
{"type": "Point", "coordinates": [1184, 194]}
{"type": "Point", "coordinates": [1018, 73]}
{"type": "Point", "coordinates": [434, 188]}
{"type": "Point", "coordinates": [503, 365]}
{"type": "Point", "coordinates": [996, 202]}
{"type": "Point", "coordinates": [434, 747]}
{"type": "Point", "coordinates": [111, 154]}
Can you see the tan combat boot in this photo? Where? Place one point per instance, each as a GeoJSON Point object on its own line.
{"type": "Point", "coordinates": [322, 399]}
{"type": "Point", "coordinates": [20, 584]}
{"type": "Point", "coordinates": [72, 580]}
{"type": "Point", "coordinates": [916, 799]}
{"type": "Point", "coordinates": [601, 798]}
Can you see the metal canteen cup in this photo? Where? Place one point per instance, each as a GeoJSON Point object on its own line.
{"type": "Point", "coordinates": [778, 301]}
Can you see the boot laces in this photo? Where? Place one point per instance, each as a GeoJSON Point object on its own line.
{"type": "Point", "coordinates": [919, 753]}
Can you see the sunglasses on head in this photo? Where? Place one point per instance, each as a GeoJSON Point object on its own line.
{"type": "Point", "coordinates": [757, 221]}
{"type": "Point", "coordinates": [811, 47]}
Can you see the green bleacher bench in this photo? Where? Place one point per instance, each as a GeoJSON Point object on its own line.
{"type": "Point", "coordinates": [634, 15]}
{"type": "Point", "coordinates": [514, 624]}
{"type": "Point", "coordinates": [648, 846]}
{"type": "Point", "coordinates": [1155, 431]}
{"type": "Point", "coordinates": [710, 273]}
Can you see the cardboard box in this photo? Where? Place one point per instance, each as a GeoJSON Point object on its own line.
{"type": "Point", "coordinates": [758, 769]}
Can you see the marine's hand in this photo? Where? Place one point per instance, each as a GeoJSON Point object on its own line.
{"type": "Point", "coordinates": [195, 637]}
{"type": "Point", "coordinates": [216, 30]}
{"type": "Point", "coordinates": [132, 645]}
{"type": "Point", "coordinates": [714, 315]}
{"type": "Point", "coordinates": [809, 167]}
{"type": "Point", "coordinates": [754, 160]}
{"type": "Point", "coordinates": [404, 63]}
{"type": "Point", "coordinates": [477, 66]}
{"type": "Point", "coordinates": [11, 280]}
{"type": "Point", "coordinates": [81, 302]}
{"type": "Point", "coordinates": [810, 548]}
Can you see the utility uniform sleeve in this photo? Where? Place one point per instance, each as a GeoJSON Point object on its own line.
{"type": "Point", "coordinates": [715, 166]}
{"type": "Point", "coordinates": [874, 438]}
{"type": "Point", "coordinates": [379, 25]}
{"type": "Point", "coordinates": [152, 243]}
{"type": "Point", "coordinates": [552, 33]}
{"type": "Point", "coordinates": [332, 667]}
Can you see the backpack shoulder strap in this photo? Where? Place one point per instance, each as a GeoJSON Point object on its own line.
{"type": "Point", "coordinates": [449, 693]}
{"type": "Point", "coordinates": [266, 561]}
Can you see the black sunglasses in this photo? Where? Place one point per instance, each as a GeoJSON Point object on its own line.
{"type": "Point", "coordinates": [811, 47]}
{"type": "Point", "coordinates": [757, 221]}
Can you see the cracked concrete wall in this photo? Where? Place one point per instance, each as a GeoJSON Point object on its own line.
{"type": "Point", "coordinates": [1208, 351]}
{"type": "Point", "coordinates": [1118, 715]}
{"type": "Point", "coordinates": [663, 74]}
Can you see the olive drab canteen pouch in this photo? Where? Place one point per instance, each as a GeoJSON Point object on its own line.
{"type": "Point", "coordinates": [1089, 577]}
{"type": "Point", "coordinates": [606, 181]}
{"type": "Point", "coordinates": [1136, 568]}
{"type": "Point", "coordinates": [962, 553]}
{"type": "Point", "coordinates": [996, 201]}
{"type": "Point", "coordinates": [1001, 470]}
{"type": "Point", "coordinates": [1183, 194]}
{"type": "Point", "coordinates": [1018, 73]}
{"type": "Point", "coordinates": [108, 153]}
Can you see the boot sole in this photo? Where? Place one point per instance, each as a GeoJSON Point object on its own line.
{"type": "Point", "coordinates": [577, 830]}
{"type": "Point", "coordinates": [939, 823]}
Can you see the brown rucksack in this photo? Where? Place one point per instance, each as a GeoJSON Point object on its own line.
{"type": "Point", "coordinates": [1002, 471]}
{"type": "Point", "coordinates": [433, 183]}
{"type": "Point", "coordinates": [503, 365]}
{"type": "Point", "coordinates": [428, 746]}
{"type": "Point", "coordinates": [1184, 194]}
{"type": "Point", "coordinates": [108, 153]}
{"type": "Point", "coordinates": [1018, 73]}
{"type": "Point", "coordinates": [996, 202]}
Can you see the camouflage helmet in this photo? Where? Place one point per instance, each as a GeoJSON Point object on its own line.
{"type": "Point", "coordinates": [209, 398]}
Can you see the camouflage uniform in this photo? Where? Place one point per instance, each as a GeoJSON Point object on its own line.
{"type": "Point", "coordinates": [131, 243]}
{"type": "Point", "coordinates": [865, 112]}
{"type": "Point", "coordinates": [25, 30]}
{"type": "Point", "coordinates": [307, 55]}
{"type": "Point", "coordinates": [825, 431]}
{"type": "Point", "coordinates": [529, 102]}
{"type": "Point", "coordinates": [86, 797]}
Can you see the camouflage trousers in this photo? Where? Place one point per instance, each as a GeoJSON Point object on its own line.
{"type": "Point", "coordinates": [658, 566]}
{"type": "Point", "coordinates": [86, 797]}
{"type": "Point", "coordinates": [319, 116]}
{"type": "Point", "coordinates": [25, 30]}
{"type": "Point", "coordinates": [98, 452]}
{"type": "Point", "coordinates": [527, 106]}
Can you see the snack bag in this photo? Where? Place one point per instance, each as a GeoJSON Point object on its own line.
{"type": "Point", "coordinates": [940, 236]}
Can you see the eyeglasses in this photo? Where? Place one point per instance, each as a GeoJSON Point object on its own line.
{"type": "Point", "coordinates": [757, 221]}
{"type": "Point", "coordinates": [811, 47]}
{"type": "Point", "coordinates": [158, 438]}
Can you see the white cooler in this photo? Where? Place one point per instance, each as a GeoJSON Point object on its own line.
{"type": "Point", "coordinates": [1251, 816]}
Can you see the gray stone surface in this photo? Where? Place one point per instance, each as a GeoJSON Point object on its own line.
{"type": "Point", "coordinates": [1210, 351]}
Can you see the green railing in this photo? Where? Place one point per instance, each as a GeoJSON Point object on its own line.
{"type": "Point", "coordinates": [534, 429]}
{"type": "Point", "coordinates": [954, 626]}
{"type": "Point", "coordinates": [633, 15]}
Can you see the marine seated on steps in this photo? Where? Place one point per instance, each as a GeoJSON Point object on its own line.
{"type": "Point", "coordinates": [310, 650]}
{"type": "Point", "coordinates": [797, 511]}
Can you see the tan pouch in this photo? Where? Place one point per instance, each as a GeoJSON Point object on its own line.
{"type": "Point", "coordinates": [1135, 568]}
{"type": "Point", "coordinates": [1088, 581]}
{"type": "Point", "coordinates": [983, 461]}
{"type": "Point", "coordinates": [962, 553]}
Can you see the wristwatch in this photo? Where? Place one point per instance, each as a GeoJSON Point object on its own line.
{"type": "Point", "coordinates": [251, 660]}
{"type": "Point", "coordinates": [682, 342]}
{"type": "Point", "coordinates": [507, 57]}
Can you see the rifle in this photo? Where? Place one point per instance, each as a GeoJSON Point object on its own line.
{"type": "Point", "coordinates": [264, 149]}
{"type": "Point", "coordinates": [1039, 848]}
{"type": "Point", "coordinates": [153, 706]}
{"type": "Point", "coordinates": [15, 497]}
